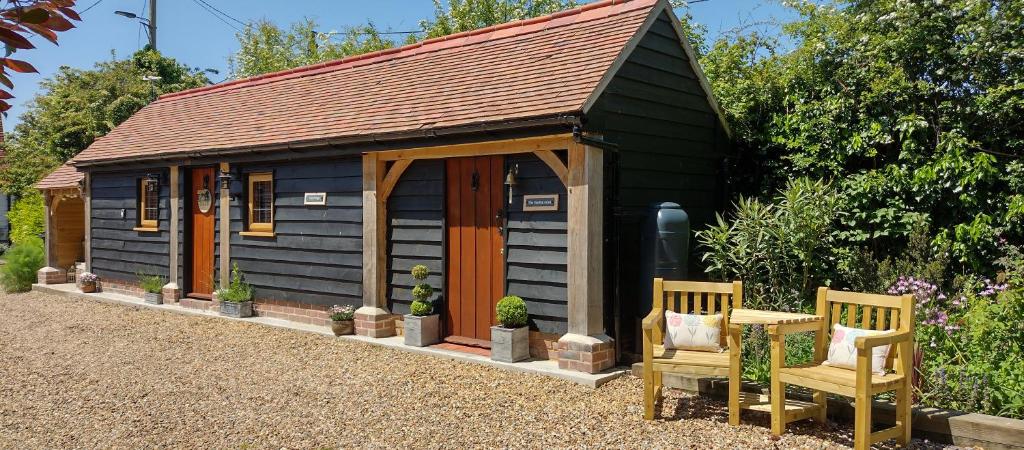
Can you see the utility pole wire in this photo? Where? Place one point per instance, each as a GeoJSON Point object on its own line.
{"type": "Point", "coordinates": [222, 12]}
{"type": "Point", "coordinates": [201, 5]}
{"type": "Point", "coordinates": [90, 7]}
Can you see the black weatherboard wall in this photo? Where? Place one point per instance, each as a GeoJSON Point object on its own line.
{"type": "Point", "coordinates": [416, 232]}
{"type": "Point", "coordinates": [671, 147]}
{"type": "Point", "coordinates": [315, 256]}
{"type": "Point", "coordinates": [118, 252]}
{"type": "Point", "coordinates": [536, 256]}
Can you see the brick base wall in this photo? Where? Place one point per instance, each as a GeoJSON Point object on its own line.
{"type": "Point", "coordinates": [120, 287]}
{"type": "Point", "coordinates": [293, 311]}
{"type": "Point", "coordinates": [171, 295]}
{"type": "Point", "coordinates": [205, 305]}
{"type": "Point", "coordinates": [586, 357]}
{"type": "Point", "coordinates": [544, 345]}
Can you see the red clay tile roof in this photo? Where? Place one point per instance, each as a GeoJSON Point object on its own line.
{"type": "Point", "coordinates": [537, 68]}
{"type": "Point", "coordinates": [66, 176]}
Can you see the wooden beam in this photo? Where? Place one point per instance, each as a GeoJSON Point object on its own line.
{"type": "Point", "coordinates": [391, 179]}
{"type": "Point", "coordinates": [87, 198]}
{"type": "Point", "coordinates": [555, 163]}
{"type": "Point", "coordinates": [225, 230]}
{"type": "Point", "coordinates": [48, 229]}
{"type": "Point", "coordinates": [501, 147]}
{"type": "Point", "coordinates": [374, 233]}
{"type": "Point", "coordinates": [585, 240]}
{"type": "Point", "coordinates": [172, 273]}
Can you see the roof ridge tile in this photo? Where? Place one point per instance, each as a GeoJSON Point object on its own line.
{"type": "Point", "coordinates": [584, 12]}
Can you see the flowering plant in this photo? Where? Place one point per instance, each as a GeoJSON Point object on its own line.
{"type": "Point", "coordinates": [88, 278]}
{"type": "Point", "coordinates": [339, 312]}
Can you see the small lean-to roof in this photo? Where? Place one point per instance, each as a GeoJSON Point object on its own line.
{"type": "Point", "coordinates": [546, 67]}
{"type": "Point", "coordinates": [65, 177]}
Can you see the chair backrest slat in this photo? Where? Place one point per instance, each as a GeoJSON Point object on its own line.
{"type": "Point", "coordinates": [851, 315]}
{"type": "Point", "coordinates": [699, 297]}
{"type": "Point", "coordinates": [865, 321]}
{"type": "Point", "coordinates": [880, 319]}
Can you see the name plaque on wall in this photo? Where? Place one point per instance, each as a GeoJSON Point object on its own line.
{"type": "Point", "coordinates": [544, 202]}
{"type": "Point", "coordinates": [315, 198]}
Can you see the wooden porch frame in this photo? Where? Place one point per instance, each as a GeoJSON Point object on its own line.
{"type": "Point", "coordinates": [583, 177]}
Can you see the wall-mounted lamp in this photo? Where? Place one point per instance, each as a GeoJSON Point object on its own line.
{"type": "Point", "coordinates": [510, 180]}
{"type": "Point", "coordinates": [225, 180]}
{"type": "Point", "coordinates": [152, 182]}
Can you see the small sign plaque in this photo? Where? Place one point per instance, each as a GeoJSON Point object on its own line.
{"type": "Point", "coordinates": [315, 198]}
{"type": "Point", "coordinates": [545, 202]}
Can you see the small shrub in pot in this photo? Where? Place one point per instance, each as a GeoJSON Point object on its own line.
{"type": "Point", "coordinates": [153, 286]}
{"type": "Point", "coordinates": [342, 319]}
{"type": "Point", "coordinates": [236, 298]}
{"type": "Point", "coordinates": [422, 326]}
{"type": "Point", "coordinates": [510, 339]}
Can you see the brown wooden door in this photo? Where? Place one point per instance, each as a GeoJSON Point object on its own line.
{"type": "Point", "coordinates": [204, 203]}
{"type": "Point", "coordinates": [475, 260]}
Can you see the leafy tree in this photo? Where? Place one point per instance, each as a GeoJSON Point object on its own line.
{"type": "Point", "coordinates": [28, 217]}
{"type": "Point", "coordinates": [77, 106]}
{"type": "Point", "coordinates": [914, 108]}
{"type": "Point", "coordinates": [455, 16]}
{"type": "Point", "coordinates": [264, 47]}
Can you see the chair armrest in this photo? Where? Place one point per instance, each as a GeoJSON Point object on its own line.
{"type": "Point", "coordinates": [869, 342]}
{"type": "Point", "coordinates": [652, 319]}
{"type": "Point", "coordinates": [783, 329]}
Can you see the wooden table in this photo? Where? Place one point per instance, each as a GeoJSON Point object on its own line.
{"type": "Point", "coordinates": [759, 402]}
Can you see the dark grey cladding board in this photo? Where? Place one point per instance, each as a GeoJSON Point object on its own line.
{"type": "Point", "coordinates": [416, 232]}
{"type": "Point", "coordinates": [315, 256]}
{"type": "Point", "coordinates": [536, 242]}
{"type": "Point", "coordinates": [118, 251]}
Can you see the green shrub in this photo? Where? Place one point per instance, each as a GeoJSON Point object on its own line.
{"type": "Point", "coordinates": [238, 290]}
{"type": "Point", "coordinates": [23, 261]}
{"type": "Point", "coordinates": [152, 284]}
{"type": "Point", "coordinates": [512, 312]}
{"type": "Point", "coordinates": [421, 304]}
{"type": "Point", "coordinates": [27, 217]}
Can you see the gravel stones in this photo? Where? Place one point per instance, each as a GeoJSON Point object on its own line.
{"type": "Point", "coordinates": [85, 374]}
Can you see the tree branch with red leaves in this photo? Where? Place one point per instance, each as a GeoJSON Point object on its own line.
{"type": "Point", "coordinates": [21, 19]}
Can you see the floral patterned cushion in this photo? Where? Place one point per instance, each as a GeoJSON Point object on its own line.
{"type": "Point", "coordinates": [843, 353]}
{"type": "Point", "coordinates": [693, 331]}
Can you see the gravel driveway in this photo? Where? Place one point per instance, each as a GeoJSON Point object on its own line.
{"type": "Point", "coordinates": [84, 374]}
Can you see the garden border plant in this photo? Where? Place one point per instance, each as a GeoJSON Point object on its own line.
{"type": "Point", "coordinates": [152, 286]}
{"type": "Point", "coordinates": [236, 298]}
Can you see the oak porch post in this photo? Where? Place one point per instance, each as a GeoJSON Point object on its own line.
{"type": "Point", "coordinates": [171, 291]}
{"type": "Point", "coordinates": [49, 274]}
{"type": "Point", "coordinates": [586, 347]}
{"type": "Point", "coordinates": [373, 319]}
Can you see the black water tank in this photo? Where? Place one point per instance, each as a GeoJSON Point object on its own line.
{"type": "Point", "coordinates": [664, 249]}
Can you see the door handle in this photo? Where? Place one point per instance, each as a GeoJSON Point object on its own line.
{"type": "Point", "coordinates": [475, 181]}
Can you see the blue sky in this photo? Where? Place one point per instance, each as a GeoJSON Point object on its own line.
{"type": "Point", "coordinates": [196, 37]}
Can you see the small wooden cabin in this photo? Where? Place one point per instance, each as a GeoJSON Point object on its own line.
{"type": "Point", "coordinates": [64, 223]}
{"type": "Point", "coordinates": [517, 159]}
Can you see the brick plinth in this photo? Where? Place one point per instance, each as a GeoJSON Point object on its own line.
{"type": "Point", "coordinates": [171, 292]}
{"type": "Point", "coordinates": [120, 287]}
{"type": "Point", "coordinates": [587, 354]}
{"type": "Point", "coordinates": [50, 275]}
{"type": "Point", "coordinates": [375, 324]}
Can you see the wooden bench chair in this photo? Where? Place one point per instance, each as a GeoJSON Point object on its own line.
{"type": "Point", "coordinates": [864, 311]}
{"type": "Point", "coordinates": [687, 297]}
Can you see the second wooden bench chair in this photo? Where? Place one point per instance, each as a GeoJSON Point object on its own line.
{"type": "Point", "coordinates": [688, 297]}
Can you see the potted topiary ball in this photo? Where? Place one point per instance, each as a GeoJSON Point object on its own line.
{"type": "Point", "coordinates": [342, 319]}
{"type": "Point", "coordinates": [153, 286]}
{"type": "Point", "coordinates": [422, 327]}
{"type": "Point", "coordinates": [510, 339]}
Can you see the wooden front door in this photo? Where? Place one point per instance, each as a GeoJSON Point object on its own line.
{"type": "Point", "coordinates": [203, 194]}
{"type": "Point", "coordinates": [475, 257]}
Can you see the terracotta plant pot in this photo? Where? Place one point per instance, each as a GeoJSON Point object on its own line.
{"type": "Point", "coordinates": [342, 327]}
{"type": "Point", "coordinates": [88, 287]}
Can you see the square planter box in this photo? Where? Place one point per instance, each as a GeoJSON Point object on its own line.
{"type": "Point", "coordinates": [236, 310]}
{"type": "Point", "coordinates": [422, 331]}
{"type": "Point", "coordinates": [153, 298]}
{"type": "Point", "coordinates": [510, 344]}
